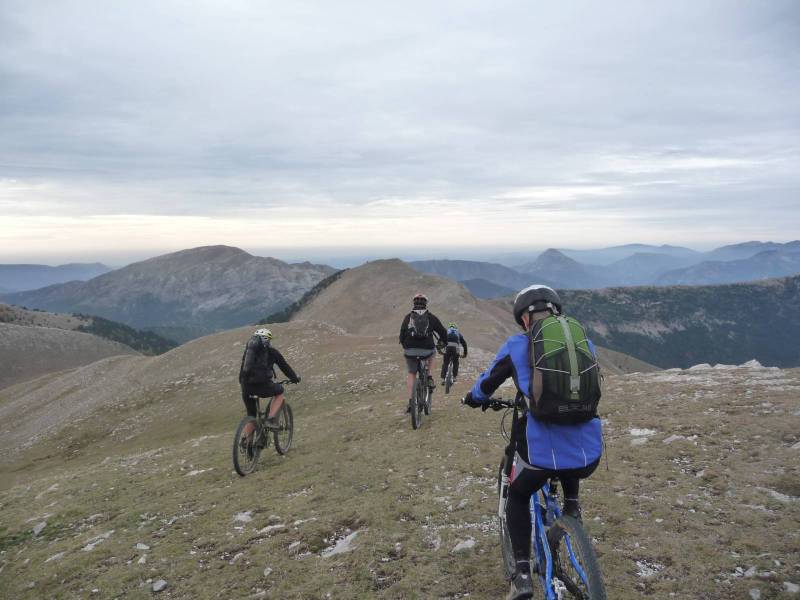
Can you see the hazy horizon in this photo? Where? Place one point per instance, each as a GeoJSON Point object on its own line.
{"type": "Point", "coordinates": [343, 257]}
{"type": "Point", "coordinates": [141, 128]}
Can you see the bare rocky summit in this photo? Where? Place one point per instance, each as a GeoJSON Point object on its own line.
{"type": "Point", "coordinates": [210, 288]}
{"type": "Point", "coordinates": [374, 298]}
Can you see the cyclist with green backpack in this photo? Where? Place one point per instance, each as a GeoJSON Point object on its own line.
{"type": "Point", "coordinates": [416, 337]}
{"type": "Point", "coordinates": [555, 370]}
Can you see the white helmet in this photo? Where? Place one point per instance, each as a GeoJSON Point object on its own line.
{"type": "Point", "coordinates": [264, 334]}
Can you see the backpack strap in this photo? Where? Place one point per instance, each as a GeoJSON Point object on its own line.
{"type": "Point", "coordinates": [574, 370]}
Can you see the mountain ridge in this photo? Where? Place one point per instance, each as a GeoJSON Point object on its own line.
{"type": "Point", "coordinates": [629, 265]}
{"type": "Point", "coordinates": [35, 342]}
{"type": "Point", "coordinates": [133, 484]}
{"type": "Point", "coordinates": [21, 277]}
{"type": "Point", "coordinates": [764, 265]}
{"type": "Point", "coordinates": [679, 326]}
{"type": "Point", "coordinates": [211, 288]}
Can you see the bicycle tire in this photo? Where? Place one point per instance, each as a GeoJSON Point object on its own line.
{"type": "Point", "coordinates": [584, 553]}
{"type": "Point", "coordinates": [448, 381]}
{"type": "Point", "coordinates": [416, 405]}
{"type": "Point", "coordinates": [428, 404]}
{"type": "Point", "coordinates": [509, 562]}
{"type": "Point", "coordinates": [286, 423]}
{"type": "Point", "coordinates": [246, 452]}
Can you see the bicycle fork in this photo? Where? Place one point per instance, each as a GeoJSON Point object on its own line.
{"type": "Point", "coordinates": [504, 482]}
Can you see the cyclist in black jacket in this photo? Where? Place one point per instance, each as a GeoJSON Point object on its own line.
{"type": "Point", "coordinates": [416, 337]}
{"type": "Point", "coordinates": [257, 374]}
{"type": "Point", "coordinates": [454, 338]}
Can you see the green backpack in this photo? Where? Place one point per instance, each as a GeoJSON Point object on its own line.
{"type": "Point", "coordinates": [565, 376]}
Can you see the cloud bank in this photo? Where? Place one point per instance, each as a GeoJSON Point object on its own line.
{"type": "Point", "coordinates": [167, 124]}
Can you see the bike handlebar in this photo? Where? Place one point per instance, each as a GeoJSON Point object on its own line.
{"type": "Point", "coordinates": [498, 403]}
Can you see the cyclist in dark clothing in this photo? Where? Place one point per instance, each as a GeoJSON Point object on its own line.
{"type": "Point", "coordinates": [257, 374]}
{"type": "Point", "coordinates": [416, 337]}
{"type": "Point", "coordinates": [454, 338]}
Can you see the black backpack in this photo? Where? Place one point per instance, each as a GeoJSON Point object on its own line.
{"type": "Point", "coordinates": [256, 367]}
{"type": "Point", "coordinates": [418, 325]}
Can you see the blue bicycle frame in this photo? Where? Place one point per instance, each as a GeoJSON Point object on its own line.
{"type": "Point", "coordinates": [540, 520]}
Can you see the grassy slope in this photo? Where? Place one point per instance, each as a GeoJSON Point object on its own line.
{"type": "Point", "coordinates": [146, 342]}
{"type": "Point", "coordinates": [164, 478]}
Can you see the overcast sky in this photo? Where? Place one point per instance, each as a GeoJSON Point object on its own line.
{"type": "Point", "coordinates": [132, 128]}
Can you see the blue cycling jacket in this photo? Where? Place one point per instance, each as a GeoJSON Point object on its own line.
{"type": "Point", "coordinates": [550, 446]}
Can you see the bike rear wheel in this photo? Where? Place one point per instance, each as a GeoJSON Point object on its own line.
{"type": "Point", "coordinates": [417, 402]}
{"type": "Point", "coordinates": [428, 398]}
{"type": "Point", "coordinates": [247, 446]}
{"type": "Point", "coordinates": [448, 381]}
{"type": "Point", "coordinates": [574, 560]}
{"type": "Point", "coordinates": [283, 436]}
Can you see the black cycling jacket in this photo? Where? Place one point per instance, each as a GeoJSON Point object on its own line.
{"type": "Point", "coordinates": [434, 326]}
{"type": "Point", "coordinates": [458, 339]}
{"type": "Point", "coordinates": [258, 361]}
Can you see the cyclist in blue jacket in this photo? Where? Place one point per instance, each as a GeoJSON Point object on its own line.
{"type": "Point", "coordinates": [543, 450]}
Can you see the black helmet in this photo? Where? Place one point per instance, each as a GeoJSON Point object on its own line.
{"type": "Point", "coordinates": [535, 297]}
{"type": "Point", "coordinates": [420, 301]}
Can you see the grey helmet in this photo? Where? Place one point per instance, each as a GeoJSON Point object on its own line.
{"type": "Point", "coordinates": [535, 297]}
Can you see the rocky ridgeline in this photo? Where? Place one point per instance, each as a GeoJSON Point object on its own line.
{"type": "Point", "coordinates": [210, 288]}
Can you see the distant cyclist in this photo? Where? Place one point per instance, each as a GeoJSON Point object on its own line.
{"type": "Point", "coordinates": [257, 374]}
{"type": "Point", "coordinates": [544, 449]}
{"type": "Point", "coordinates": [416, 337]}
{"type": "Point", "coordinates": [454, 339]}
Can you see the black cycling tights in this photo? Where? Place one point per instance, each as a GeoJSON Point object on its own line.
{"type": "Point", "coordinates": [518, 507]}
{"type": "Point", "coordinates": [450, 355]}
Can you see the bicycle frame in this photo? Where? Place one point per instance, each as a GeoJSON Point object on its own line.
{"type": "Point", "coordinates": [261, 415]}
{"type": "Point", "coordinates": [544, 512]}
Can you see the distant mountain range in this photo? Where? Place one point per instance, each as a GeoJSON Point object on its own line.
{"type": "Point", "coordinates": [771, 263]}
{"type": "Point", "coordinates": [194, 291]}
{"type": "Point", "coordinates": [607, 256]}
{"type": "Point", "coordinates": [16, 278]}
{"type": "Point", "coordinates": [634, 264]}
{"type": "Point", "coordinates": [681, 326]}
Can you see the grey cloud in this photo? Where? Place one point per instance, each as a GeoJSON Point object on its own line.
{"type": "Point", "coordinates": [203, 108]}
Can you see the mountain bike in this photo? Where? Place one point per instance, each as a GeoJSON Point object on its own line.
{"type": "Point", "coordinates": [448, 379]}
{"type": "Point", "coordinates": [248, 442]}
{"type": "Point", "coordinates": [561, 551]}
{"type": "Point", "coordinates": [421, 400]}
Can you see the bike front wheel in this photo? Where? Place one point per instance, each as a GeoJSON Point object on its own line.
{"type": "Point", "coordinates": [509, 563]}
{"type": "Point", "coordinates": [283, 436]}
{"type": "Point", "coordinates": [575, 563]}
{"type": "Point", "coordinates": [247, 446]}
